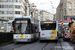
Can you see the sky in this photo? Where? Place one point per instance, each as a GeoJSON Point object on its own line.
{"type": "Point", "coordinates": [46, 5]}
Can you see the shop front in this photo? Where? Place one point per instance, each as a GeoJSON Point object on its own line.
{"type": "Point", "coordinates": [3, 25]}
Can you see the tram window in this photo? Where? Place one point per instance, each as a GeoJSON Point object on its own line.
{"type": "Point", "coordinates": [22, 27]}
{"type": "Point", "coordinates": [33, 30]}
{"type": "Point", "coordinates": [36, 29]}
{"type": "Point", "coordinates": [27, 29]}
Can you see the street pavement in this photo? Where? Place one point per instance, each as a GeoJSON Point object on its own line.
{"type": "Point", "coordinates": [37, 45]}
{"type": "Point", "coordinates": [11, 46]}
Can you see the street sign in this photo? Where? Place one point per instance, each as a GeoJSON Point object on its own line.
{"type": "Point", "coordinates": [69, 19]}
{"type": "Point", "coordinates": [9, 27]}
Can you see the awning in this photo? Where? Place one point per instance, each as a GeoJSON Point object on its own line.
{"type": "Point", "coordinates": [3, 20]}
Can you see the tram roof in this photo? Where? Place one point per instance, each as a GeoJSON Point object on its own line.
{"type": "Point", "coordinates": [24, 17]}
{"type": "Point", "coordinates": [33, 20]}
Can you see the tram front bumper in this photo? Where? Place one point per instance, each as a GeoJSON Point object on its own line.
{"type": "Point", "coordinates": [23, 40]}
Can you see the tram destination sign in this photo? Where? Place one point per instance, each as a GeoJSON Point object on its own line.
{"type": "Point", "coordinates": [21, 21]}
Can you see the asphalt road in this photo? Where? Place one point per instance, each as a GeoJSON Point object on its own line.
{"type": "Point", "coordinates": [37, 45]}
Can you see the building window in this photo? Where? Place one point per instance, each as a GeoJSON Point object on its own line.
{"type": "Point", "coordinates": [1, 12]}
{"type": "Point", "coordinates": [65, 12]}
{"type": "Point", "coordinates": [17, 12]}
{"type": "Point", "coordinates": [18, 7]}
{"type": "Point", "coordinates": [10, 12]}
{"type": "Point", "coordinates": [70, 5]}
{"type": "Point", "coordinates": [2, 6]}
{"type": "Point", "coordinates": [18, 1]}
{"type": "Point", "coordinates": [41, 18]}
{"type": "Point", "coordinates": [5, 6]}
{"type": "Point", "coordinates": [5, 12]}
{"type": "Point", "coordinates": [9, 18]}
{"type": "Point", "coordinates": [10, 6]}
{"type": "Point", "coordinates": [64, 5]}
{"type": "Point", "coordinates": [70, 11]}
{"type": "Point", "coordinates": [9, 0]}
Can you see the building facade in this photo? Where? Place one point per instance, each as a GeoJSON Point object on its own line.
{"type": "Point", "coordinates": [58, 17]}
{"type": "Point", "coordinates": [40, 15]}
{"type": "Point", "coordinates": [45, 15]}
{"type": "Point", "coordinates": [67, 10]}
{"type": "Point", "coordinates": [9, 9]}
